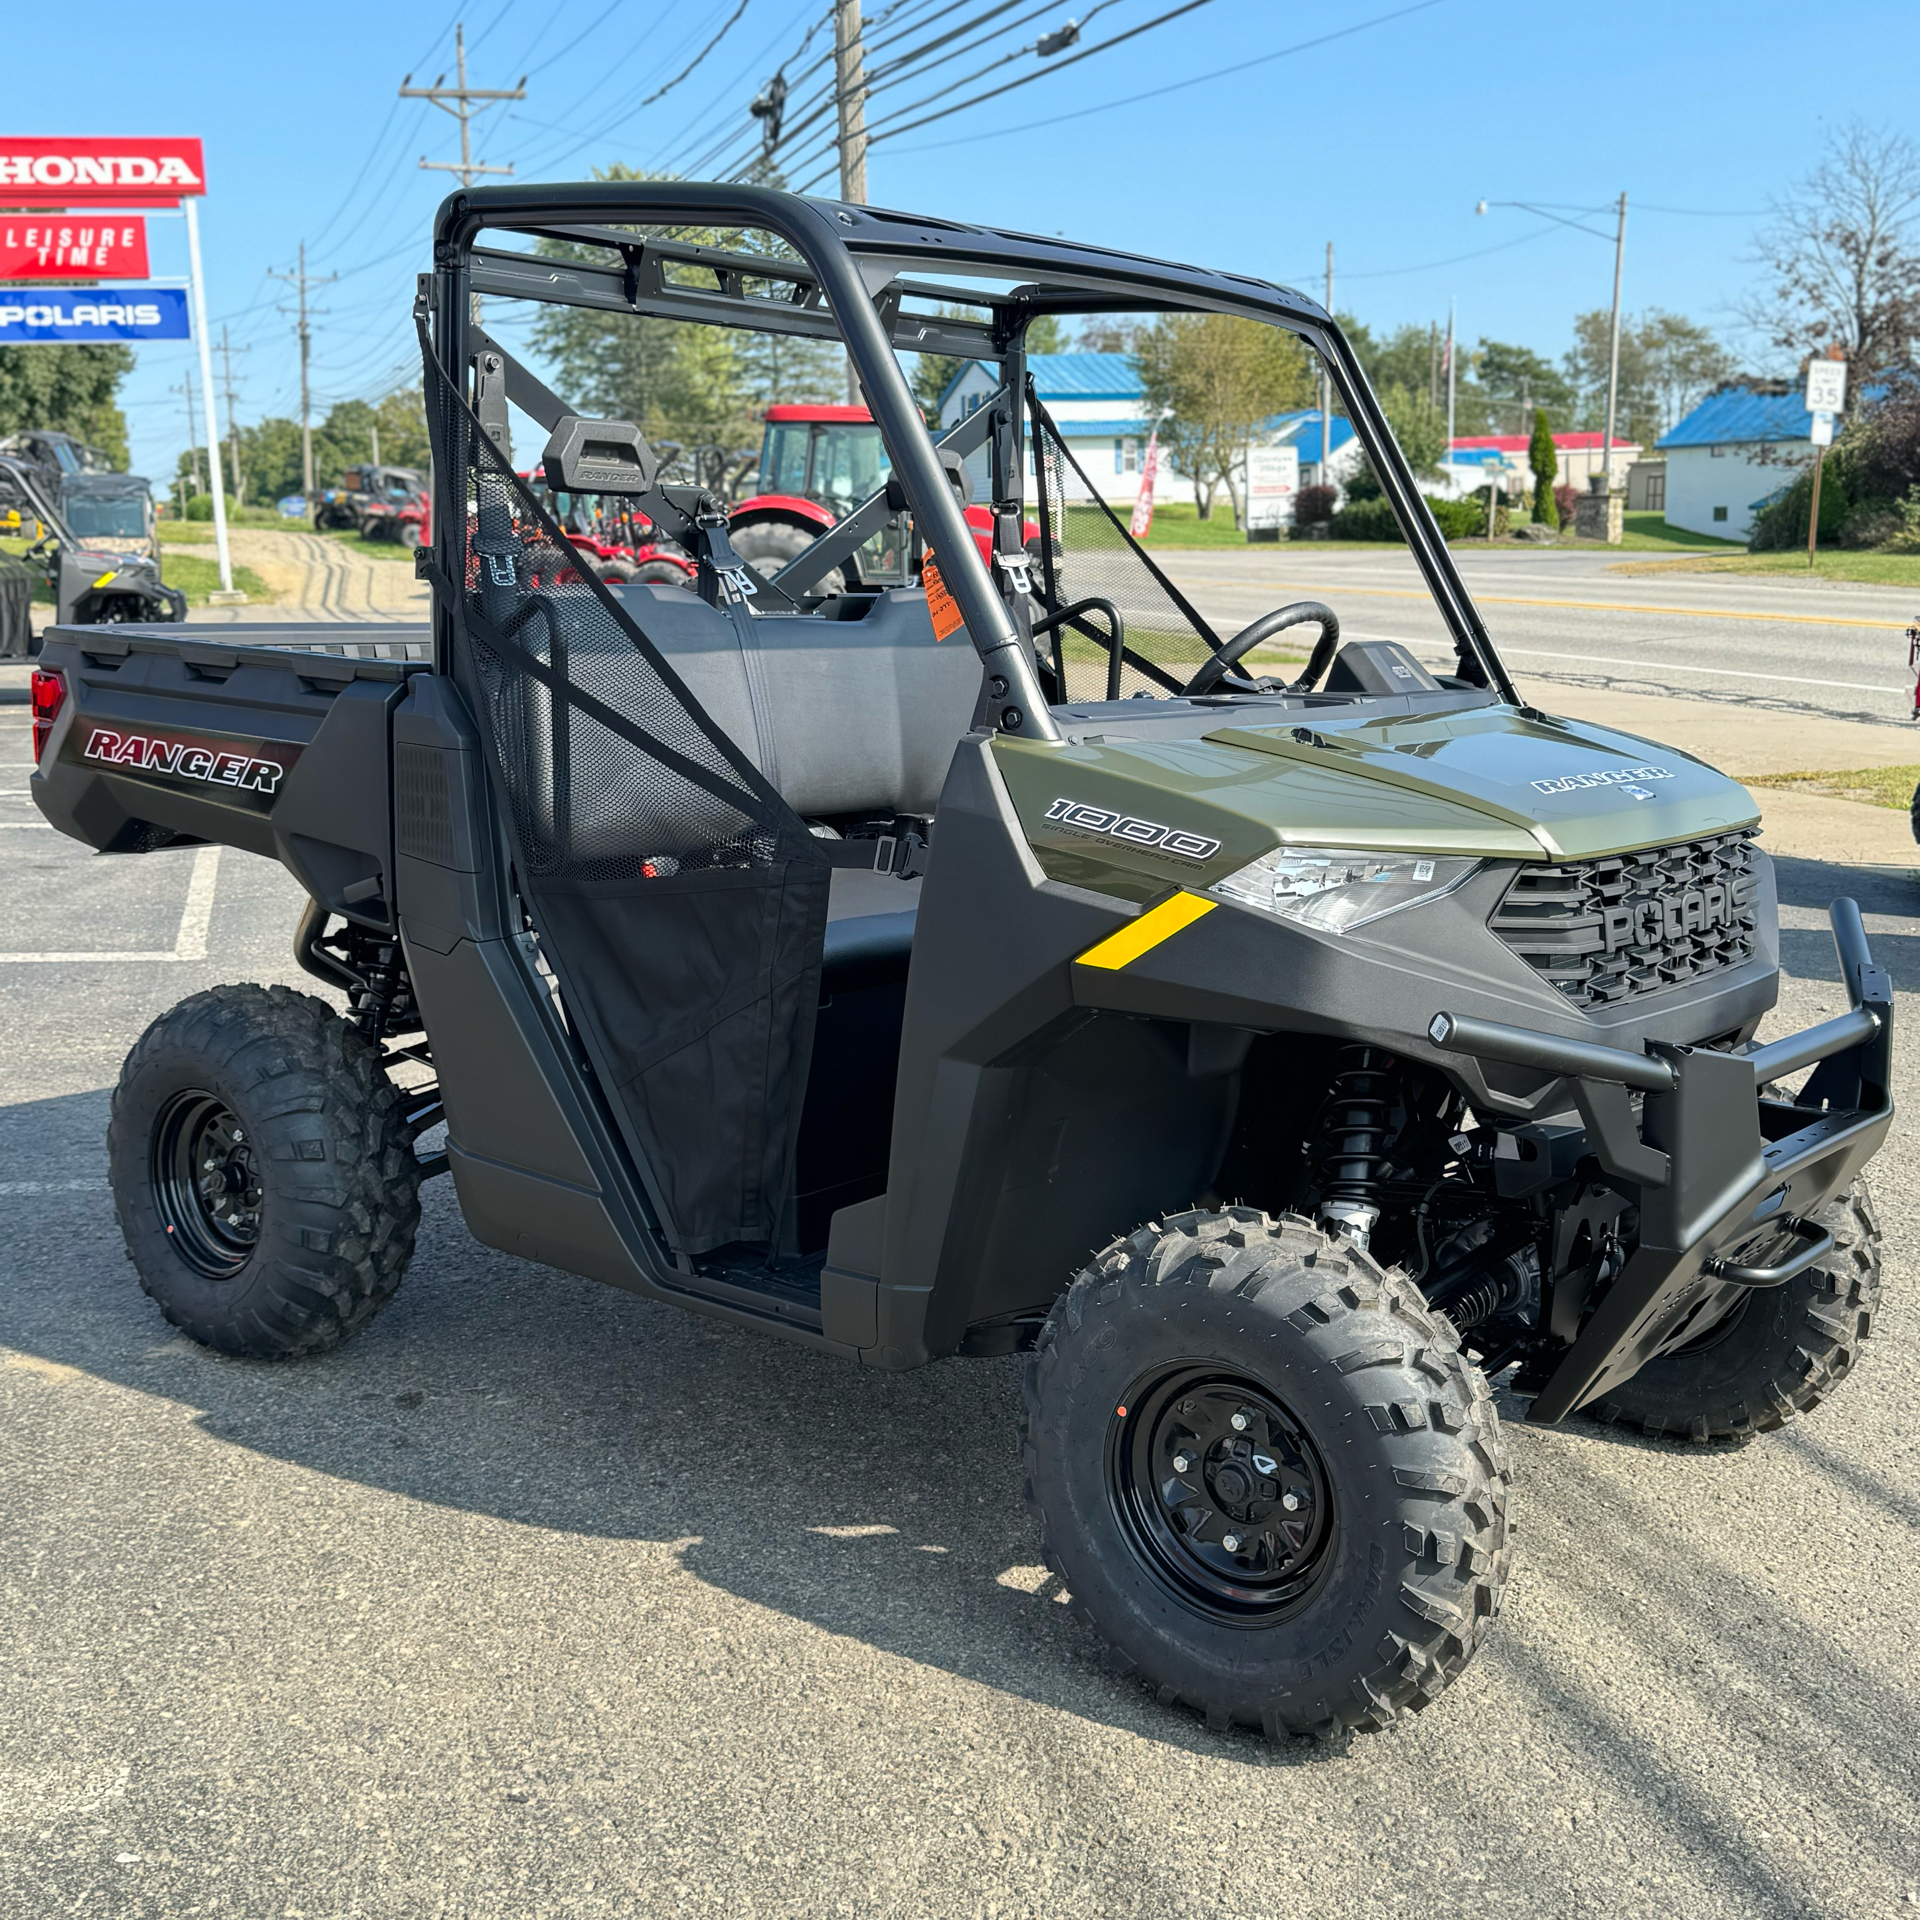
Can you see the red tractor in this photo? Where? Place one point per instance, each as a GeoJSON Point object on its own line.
{"type": "Point", "coordinates": [818, 463]}
{"type": "Point", "coordinates": [616, 543]}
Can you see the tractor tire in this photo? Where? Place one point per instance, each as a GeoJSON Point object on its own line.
{"type": "Point", "coordinates": [769, 544]}
{"type": "Point", "coordinates": [262, 1171]}
{"type": "Point", "coordinates": [1780, 1352]}
{"type": "Point", "coordinates": [1266, 1474]}
{"type": "Point", "coordinates": [614, 573]}
{"type": "Point", "coordinates": [662, 573]}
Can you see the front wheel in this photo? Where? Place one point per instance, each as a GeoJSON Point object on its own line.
{"type": "Point", "coordinates": [263, 1173]}
{"type": "Point", "coordinates": [1266, 1474]}
{"type": "Point", "coordinates": [1780, 1352]}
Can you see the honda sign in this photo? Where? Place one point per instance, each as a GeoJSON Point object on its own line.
{"type": "Point", "coordinates": [118, 173]}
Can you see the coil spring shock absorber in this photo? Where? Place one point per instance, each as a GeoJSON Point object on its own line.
{"type": "Point", "coordinates": [1351, 1138]}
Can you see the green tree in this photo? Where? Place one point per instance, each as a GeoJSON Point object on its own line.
{"type": "Point", "coordinates": [1666, 363]}
{"type": "Point", "coordinates": [1509, 383]}
{"type": "Point", "coordinates": [1544, 459]}
{"type": "Point", "coordinates": [1209, 380]}
{"type": "Point", "coordinates": [66, 389]}
{"type": "Point", "coordinates": [1418, 426]}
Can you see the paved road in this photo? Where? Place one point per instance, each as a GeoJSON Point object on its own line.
{"type": "Point", "coordinates": [540, 1600]}
{"type": "Point", "coordinates": [1575, 619]}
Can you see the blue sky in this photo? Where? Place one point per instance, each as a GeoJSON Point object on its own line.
{"type": "Point", "coordinates": [1381, 140]}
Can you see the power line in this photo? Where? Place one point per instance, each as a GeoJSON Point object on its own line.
{"type": "Point", "coordinates": [301, 280]}
{"type": "Point", "coordinates": [1177, 86]}
{"type": "Point", "coordinates": [660, 93]}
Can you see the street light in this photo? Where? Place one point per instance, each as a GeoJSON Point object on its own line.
{"type": "Point", "coordinates": [1613, 327]}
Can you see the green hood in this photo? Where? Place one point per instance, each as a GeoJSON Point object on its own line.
{"type": "Point", "coordinates": [1490, 781]}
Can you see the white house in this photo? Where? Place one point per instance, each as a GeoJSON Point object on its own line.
{"type": "Point", "coordinates": [1737, 447]}
{"type": "Point", "coordinates": [1096, 401]}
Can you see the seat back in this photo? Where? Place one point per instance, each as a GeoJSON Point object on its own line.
{"type": "Point", "coordinates": [840, 715]}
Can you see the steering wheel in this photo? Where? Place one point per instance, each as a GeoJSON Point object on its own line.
{"type": "Point", "coordinates": [1233, 651]}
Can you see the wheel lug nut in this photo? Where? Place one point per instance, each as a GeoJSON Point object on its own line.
{"type": "Point", "coordinates": [1183, 1463]}
{"type": "Point", "coordinates": [1242, 1421]}
{"type": "Point", "coordinates": [1231, 1541]}
{"type": "Point", "coordinates": [1292, 1502]}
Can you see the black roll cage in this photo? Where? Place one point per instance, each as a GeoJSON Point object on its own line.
{"type": "Point", "coordinates": [848, 287]}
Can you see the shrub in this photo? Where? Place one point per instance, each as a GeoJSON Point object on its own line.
{"type": "Point", "coordinates": [200, 507]}
{"type": "Point", "coordinates": [1365, 520]}
{"type": "Point", "coordinates": [1567, 499]}
{"type": "Point", "coordinates": [1544, 459]}
{"type": "Point", "coordinates": [1782, 522]}
{"type": "Point", "coordinates": [1313, 505]}
{"type": "Point", "coordinates": [1459, 519]}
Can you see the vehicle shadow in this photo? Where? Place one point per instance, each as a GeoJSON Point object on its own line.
{"type": "Point", "coordinates": [885, 1508]}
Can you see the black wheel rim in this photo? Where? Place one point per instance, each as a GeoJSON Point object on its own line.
{"type": "Point", "coordinates": [206, 1184]}
{"type": "Point", "coordinates": [1220, 1493]}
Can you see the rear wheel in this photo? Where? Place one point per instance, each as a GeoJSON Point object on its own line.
{"type": "Point", "coordinates": [769, 544]}
{"type": "Point", "coordinates": [662, 573]}
{"type": "Point", "coordinates": [1780, 1352]}
{"type": "Point", "coordinates": [262, 1171]}
{"type": "Point", "coordinates": [1266, 1474]}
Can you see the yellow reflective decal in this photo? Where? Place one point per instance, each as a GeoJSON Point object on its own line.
{"type": "Point", "coordinates": [105, 578]}
{"type": "Point", "coordinates": [1143, 935]}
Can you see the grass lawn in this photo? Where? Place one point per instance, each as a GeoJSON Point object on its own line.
{"type": "Point", "coordinates": [1876, 786]}
{"type": "Point", "coordinates": [176, 532]}
{"type": "Point", "coordinates": [1867, 569]}
{"type": "Point", "coordinates": [1649, 533]}
{"type": "Point", "coordinates": [197, 578]}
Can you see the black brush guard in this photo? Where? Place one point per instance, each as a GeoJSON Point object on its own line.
{"type": "Point", "coordinates": [1727, 1181]}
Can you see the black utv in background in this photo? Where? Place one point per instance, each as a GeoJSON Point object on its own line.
{"type": "Point", "coordinates": [89, 543]}
{"type": "Point", "coordinates": [1004, 962]}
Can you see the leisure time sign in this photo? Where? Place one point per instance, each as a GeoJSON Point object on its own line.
{"type": "Point", "coordinates": [118, 173]}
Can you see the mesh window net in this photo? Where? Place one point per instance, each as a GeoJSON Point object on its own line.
{"type": "Point", "coordinates": [681, 903]}
{"type": "Point", "coordinates": [1086, 553]}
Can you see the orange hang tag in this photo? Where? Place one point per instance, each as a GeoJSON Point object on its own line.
{"type": "Point", "coordinates": [941, 605]}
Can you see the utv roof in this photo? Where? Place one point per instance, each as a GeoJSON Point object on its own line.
{"type": "Point", "coordinates": [1049, 275]}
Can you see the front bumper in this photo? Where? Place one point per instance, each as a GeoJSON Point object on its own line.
{"type": "Point", "coordinates": [1726, 1181]}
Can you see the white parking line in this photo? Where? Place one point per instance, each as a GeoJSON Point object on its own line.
{"type": "Point", "coordinates": [190, 943]}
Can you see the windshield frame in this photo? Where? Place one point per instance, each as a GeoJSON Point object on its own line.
{"type": "Point", "coordinates": [856, 270]}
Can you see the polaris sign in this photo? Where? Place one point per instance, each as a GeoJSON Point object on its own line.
{"type": "Point", "coordinates": [93, 313]}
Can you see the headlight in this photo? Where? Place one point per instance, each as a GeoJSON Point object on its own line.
{"type": "Point", "coordinates": [1339, 888]}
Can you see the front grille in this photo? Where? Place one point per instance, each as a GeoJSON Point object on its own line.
{"type": "Point", "coordinates": [1602, 931]}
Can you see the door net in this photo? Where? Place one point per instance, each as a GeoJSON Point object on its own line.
{"type": "Point", "coordinates": [1086, 553]}
{"type": "Point", "coordinates": [682, 904]}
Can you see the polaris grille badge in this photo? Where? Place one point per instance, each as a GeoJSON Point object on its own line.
{"type": "Point", "coordinates": [1605, 777]}
{"type": "Point", "coordinates": [1077, 817]}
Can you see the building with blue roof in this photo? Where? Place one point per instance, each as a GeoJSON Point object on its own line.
{"type": "Point", "coordinates": [1732, 453]}
{"type": "Point", "coordinates": [1097, 402]}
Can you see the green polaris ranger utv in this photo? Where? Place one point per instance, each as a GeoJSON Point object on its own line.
{"type": "Point", "coordinates": [1271, 1049]}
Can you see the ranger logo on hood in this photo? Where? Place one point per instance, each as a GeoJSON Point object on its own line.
{"type": "Point", "coordinates": [1627, 777]}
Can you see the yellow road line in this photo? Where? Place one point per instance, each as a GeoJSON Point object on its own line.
{"type": "Point", "coordinates": [1589, 606]}
{"type": "Point", "coordinates": [1143, 935]}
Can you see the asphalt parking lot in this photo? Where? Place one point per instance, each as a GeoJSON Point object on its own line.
{"type": "Point", "coordinates": [541, 1600]}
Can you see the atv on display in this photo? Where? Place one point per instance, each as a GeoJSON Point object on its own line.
{"type": "Point", "coordinates": [1000, 962]}
{"type": "Point", "coordinates": [90, 543]}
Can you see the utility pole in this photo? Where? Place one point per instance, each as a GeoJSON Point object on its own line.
{"type": "Point", "coordinates": [458, 101]}
{"type": "Point", "coordinates": [850, 94]}
{"type": "Point", "coordinates": [1326, 392]}
{"type": "Point", "coordinates": [1613, 355]}
{"type": "Point", "coordinates": [233, 424]}
{"type": "Point", "coordinates": [850, 99]}
{"type": "Point", "coordinates": [1451, 356]}
{"type": "Point", "coordinates": [301, 281]}
{"type": "Point", "coordinates": [193, 433]}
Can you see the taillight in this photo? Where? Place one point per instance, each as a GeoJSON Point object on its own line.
{"type": "Point", "coordinates": [49, 696]}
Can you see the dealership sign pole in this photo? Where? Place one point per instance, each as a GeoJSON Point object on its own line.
{"type": "Point", "coordinates": [62, 173]}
